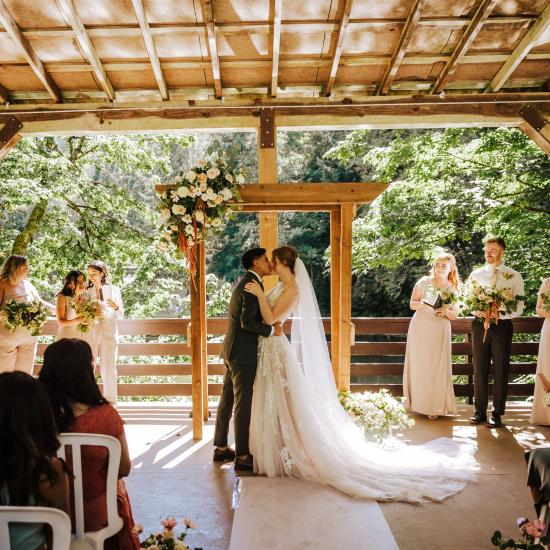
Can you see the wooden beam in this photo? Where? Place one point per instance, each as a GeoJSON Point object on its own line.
{"type": "Point", "coordinates": [399, 53]}
{"type": "Point", "coordinates": [204, 335]}
{"type": "Point", "coordinates": [521, 50]}
{"type": "Point", "coordinates": [4, 94]}
{"type": "Point", "coordinates": [150, 46]}
{"type": "Point", "coordinates": [14, 32]}
{"type": "Point", "coordinates": [208, 17]}
{"type": "Point", "coordinates": [536, 126]}
{"type": "Point", "coordinates": [482, 13]}
{"type": "Point", "coordinates": [88, 49]}
{"type": "Point", "coordinates": [9, 136]}
{"type": "Point", "coordinates": [277, 10]}
{"type": "Point", "coordinates": [335, 272]}
{"type": "Point", "coordinates": [342, 29]}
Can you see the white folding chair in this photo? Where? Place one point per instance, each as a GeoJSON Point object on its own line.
{"type": "Point", "coordinates": [114, 522]}
{"type": "Point", "coordinates": [58, 520]}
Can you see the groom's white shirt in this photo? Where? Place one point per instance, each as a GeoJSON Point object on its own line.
{"type": "Point", "coordinates": [260, 280]}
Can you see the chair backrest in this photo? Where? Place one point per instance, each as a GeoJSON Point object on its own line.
{"type": "Point", "coordinates": [57, 519]}
{"type": "Point", "coordinates": [76, 441]}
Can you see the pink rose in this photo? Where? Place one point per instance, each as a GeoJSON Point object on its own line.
{"type": "Point", "coordinates": [532, 529]}
{"type": "Point", "coordinates": [169, 523]}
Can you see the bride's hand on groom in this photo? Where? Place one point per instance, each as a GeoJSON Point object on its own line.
{"type": "Point", "coordinates": [253, 288]}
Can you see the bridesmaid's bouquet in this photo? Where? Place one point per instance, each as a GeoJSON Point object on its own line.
{"type": "Point", "coordinates": [167, 539]}
{"type": "Point", "coordinates": [531, 536]}
{"type": "Point", "coordinates": [491, 301]}
{"type": "Point", "coordinates": [448, 297]}
{"type": "Point", "coordinates": [30, 315]}
{"type": "Point", "coordinates": [545, 297]}
{"type": "Point", "coordinates": [90, 309]}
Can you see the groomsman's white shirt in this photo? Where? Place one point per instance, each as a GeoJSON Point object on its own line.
{"type": "Point", "coordinates": [506, 278]}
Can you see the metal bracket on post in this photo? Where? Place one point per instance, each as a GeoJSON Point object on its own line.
{"type": "Point", "coordinates": [267, 128]}
{"type": "Point", "coordinates": [533, 117]}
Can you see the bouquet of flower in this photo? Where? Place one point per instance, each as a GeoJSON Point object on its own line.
{"type": "Point", "coordinates": [448, 297]}
{"type": "Point", "coordinates": [491, 301]}
{"type": "Point", "coordinates": [530, 531]}
{"type": "Point", "coordinates": [90, 309]}
{"type": "Point", "coordinates": [375, 413]}
{"type": "Point", "coordinates": [545, 297]}
{"type": "Point", "coordinates": [167, 540]}
{"type": "Point", "coordinates": [197, 201]}
{"type": "Point", "coordinates": [30, 315]}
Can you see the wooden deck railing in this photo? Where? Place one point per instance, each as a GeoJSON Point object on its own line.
{"type": "Point", "coordinates": [378, 352]}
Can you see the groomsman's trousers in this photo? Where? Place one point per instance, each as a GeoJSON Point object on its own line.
{"type": "Point", "coordinates": [497, 347]}
{"type": "Point", "coordinates": [237, 389]}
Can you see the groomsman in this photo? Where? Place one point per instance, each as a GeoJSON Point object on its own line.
{"type": "Point", "coordinates": [498, 341]}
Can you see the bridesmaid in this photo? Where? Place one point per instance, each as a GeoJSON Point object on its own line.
{"type": "Point", "coordinates": [427, 376]}
{"type": "Point", "coordinates": [105, 333]}
{"type": "Point", "coordinates": [540, 413]}
{"type": "Point", "coordinates": [18, 348]}
{"type": "Point", "coordinates": [67, 319]}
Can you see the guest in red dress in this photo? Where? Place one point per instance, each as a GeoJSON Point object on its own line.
{"type": "Point", "coordinates": [79, 407]}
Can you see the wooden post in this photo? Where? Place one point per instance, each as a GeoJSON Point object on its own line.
{"type": "Point", "coordinates": [345, 296]}
{"type": "Point", "coordinates": [204, 358]}
{"type": "Point", "coordinates": [197, 310]}
{"type": "Point", "coordinates": [335, 237]}
{"type": "Point", "coordinates": [267, 173]}
{"type": "Point", "coordinates": [9, 136]}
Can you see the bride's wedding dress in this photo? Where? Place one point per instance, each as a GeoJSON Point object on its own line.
{"type": "Point", "coordinates": [298, 427]}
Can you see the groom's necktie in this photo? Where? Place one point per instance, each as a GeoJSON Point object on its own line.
{"type": "Point", "coordinates": [494, 277]}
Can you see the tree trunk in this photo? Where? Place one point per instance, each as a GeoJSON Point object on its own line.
{"type": "Point", "coordinates": [22, 241]}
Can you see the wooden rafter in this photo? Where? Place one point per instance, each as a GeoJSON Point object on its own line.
{"type": "Point", "coordinates": [342, 29]}
{"type": "Point", "coordinates": [521, 50]}
{"type": "Point", "coordinates": [74, 20]}
{"type": "Point", "coordinates": [399, 53]}
{"type": "Point", "coordinates": [482, 13]}
{"type": "Point", "coordinates": [13, 30]}
{"type": "Point", "coordinates": [536, 126]}
{"type": "Point", "coordinates": [208, 17]}
{"type": "Point", "coordinates": [150, 46]}
{"type": "Point", "coordinates": [277, 8]}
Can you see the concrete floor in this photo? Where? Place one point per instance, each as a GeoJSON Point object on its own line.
{"type": "Point", "coordinates": [174, 476]}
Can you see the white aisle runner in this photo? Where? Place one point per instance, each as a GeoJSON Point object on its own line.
{"type": "Point", "coordinates": [290, 514]}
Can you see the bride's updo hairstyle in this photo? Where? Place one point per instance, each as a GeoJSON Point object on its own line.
{"type": "Point", "coordinates": [287, 255]}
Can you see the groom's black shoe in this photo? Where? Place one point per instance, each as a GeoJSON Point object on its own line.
{"type": "Point", "coordinates": [495, 421]}
{"type": "Point", "coordinates": [226, 454]}
{"type": "Point", "coordinates": [246, 464]}
{"type": "Point", "coordinates": [478, 419]}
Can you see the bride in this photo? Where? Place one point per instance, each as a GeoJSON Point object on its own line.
{"type": "Point", "coordinates": [298, 426]}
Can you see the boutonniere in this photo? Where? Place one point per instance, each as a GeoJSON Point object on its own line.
{"type": "Point", "coordinates": [508, 276]}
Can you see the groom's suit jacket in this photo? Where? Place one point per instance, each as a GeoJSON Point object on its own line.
{"type": "Point", "coordinates": [244, 325]}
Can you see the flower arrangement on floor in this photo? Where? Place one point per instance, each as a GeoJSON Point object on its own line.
{"type": "Point", "coordinates": [491, 301]}
{"type": "Point", "coordinates": [167, 540]}
{"type": "Point", "coordinates": [30, 315]}
{"type": "Point", "coordinates": [375, 413]}
{"type": "Point", "coordinates": [530, 532]}
{"type": "Point", "coordinates": [90, 309]}
{"type": "Point", "coordinates": [198, 200]}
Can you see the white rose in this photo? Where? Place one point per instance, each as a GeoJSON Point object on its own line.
{"type": "Point", "coordinates": [199, 216]}
{"type": "Point", "coordinates": [167, 235]}
{"type": "Point", "coordinates": [229, 178]}
{"type": "Point", "coordinates": [204, 197]}
{"type": "Point", "coordinates": [198, 192]}
{"type": "Point", "coordinates": [165, 214]}
{"type": "Point", "coordinates": [203, 187]}
{"type": "Point", "coordinates": [201, 163]}
{"type": "Point", "coordinates": [212, 173]}
{"type": "Point", "coordinates": [187, 218]}
{"type": "Point", "coordinates": [191, 176]}
{"type": "Point", "coordinates": [174, 228]}
{"type": "Point", "coordinates": [216, 222]}
{"type": "Point", "coordinates": [178, 209]}
{"type": "Point", "coordinates": [240, 178]}
{"type": "Point", "coordinates": [203, 178]}
{"type": "Point", "coordinates": [218, 199]}
{"type": "Point", "coordinates": [227, 193]}
{"type": "Point", "coordinates": [189, 229]}
{"type": "Point", "coordinates": [183, 191]}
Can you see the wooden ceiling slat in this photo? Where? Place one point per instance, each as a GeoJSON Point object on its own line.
{"type": "Point", "coordinates": [75, 22]}
{"type": "Point", "coordinates": [343, 27]}
{"type": "Point", "coordinates": [521, 50]}
{"type": "Point", "coordinates": [399, 53]}
{"type": "Point", "coordinates": [13, 30]}
{"type": "Point", "coordinates": [482, 13]}
{"type": "Point", "coordinates": [208, 17]}
{"type": "Point", "coordinates": [150, 46]}
{"type": "Point", "coordinates": [276, 46]}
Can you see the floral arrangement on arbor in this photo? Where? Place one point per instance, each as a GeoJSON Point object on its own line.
{"type": "Point", "coordinates": [530, 531]}
{"type": "Point", "coordinates": [30, 315]}
{"type": "Point", "coordinates": [375, 413]}
{"type": "Point", "coordinates": [197, 201]}
{"type": "Point", "coordinates": [90, 309]}
{"type": "Point", "coordinates": [491, 301]}
{"type": "Point", "coordinates": [545, 297]}
{"type": "Point", "coordinates": [167, 539]}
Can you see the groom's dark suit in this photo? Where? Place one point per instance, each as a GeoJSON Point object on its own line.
{"type": "Point", "coordinates": [240, 352]}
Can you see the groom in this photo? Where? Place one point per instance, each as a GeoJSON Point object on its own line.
{"type": "Point", "coordinates": [240, 353]}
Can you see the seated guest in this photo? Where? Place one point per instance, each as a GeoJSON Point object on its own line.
{"type": "Point", "coordinates": [79, 407]}
{"type": "Point", "coordinates": [30, 473]}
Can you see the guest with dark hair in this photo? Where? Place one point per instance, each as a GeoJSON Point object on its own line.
{"type": "Point", "coordinates": [30, 473]}
{"type": "Point", "coordinates": [67, 318]}
{"type": "Point", "coordinates": [79, 407]}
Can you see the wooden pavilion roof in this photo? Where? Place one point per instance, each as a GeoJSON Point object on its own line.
{"type": "Point", "coordinates": [78, 51]}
